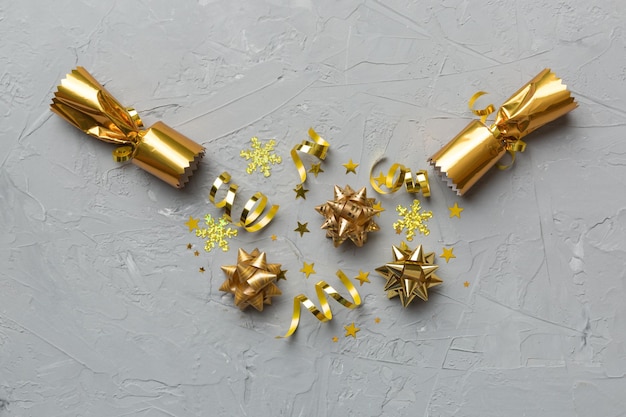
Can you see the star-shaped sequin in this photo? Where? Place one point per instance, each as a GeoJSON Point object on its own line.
{"type": "Point", "coordinates": [192, 223]}
{"type": "Point", "coordinates": [300, 191]}
{"type": "Point", "coordinates": [413, 219]}
{"type": "Point", "coordinates": [466, 284]}
{"type": "Point", "coordinates": [379, 208]}
{"type": "Point", "coordinates": [447, 254]}
{"type": "Point", "coordinates": [363, 277]}
{"type": "Point", "coordinates": [350, 167]}
{"type": "Point", "coordinates": [455, 211]}
{"type": "Point", "coordinates": [380, 179]}
{"type": "Point", "coordinates": [261, 157]}
{"type": "Point", "coordinates": [308, 269]}
{"type": "Point", "coordinates": [351, 330]}
{"type": "Point", "coordinates": [316, 169]}
{"type": "Point", "coordinates": [216, 233]}
{"type": "Point", "coordinates": [411, 274]}
{"type": "Point", "coordinates": [302, 228]}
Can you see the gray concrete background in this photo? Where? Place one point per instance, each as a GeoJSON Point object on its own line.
{"type": "Point", "coordinates": [103, 311]}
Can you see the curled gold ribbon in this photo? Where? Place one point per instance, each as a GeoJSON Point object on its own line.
{"type": "Point", "coordinates": [318, 148]}
{"type": "Point", "coordinates": [512, 146]}
{"type": "Point", "coordinates": [399, 175]}
{"type": "Point", "coordinates": [252, 218]}
{"type": "Point", "coordinates": [321, 289]}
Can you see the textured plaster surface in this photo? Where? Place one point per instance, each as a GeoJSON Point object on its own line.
{"type": "Point", "coordinates": [103, 311]}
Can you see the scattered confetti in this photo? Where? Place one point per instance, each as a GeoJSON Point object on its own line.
{"type": "Point", "coordinates": [316, 169]}
{"type": "Point", "coordinates": [378, 206]}
{"type": "Point", "coordinates": [362, 277]}
{"type": "Point", "coordinates": [262, 157]}
{"type": "Point", "coordinates": [377, 320]}
{"type": "Point", "coordinates": [189, 246]}
{"type": "Point", "coordinates": [350, 167]}
{"type": "Point", "coordinates": [351, 330]}
{"type": "Point", "coordinates": [201, 269]}
{"type": "Point", "coordinates": [300, 191]}
{"type": "Point", "coordinates": [380, 179]}
{"type": "Point", "coordinates": [413, 220]}
{"type": "Point", "coordinates": [447, 254]}
{"type": "Point", "coordinates": [216, 233]}
{"type": "Point", "coordinates": [466, 284]}
{"type": "Point", "coordinates": [455, 211]}
{"type": "Point", "coordinates": [196, 253]}
{"type": "Point", "coordinates": [335, 339]}
{"type": "Point", "coordinates": [274, 237]}
{"type": "Point", "coordinates": [192, 224]}
{"type": "Point", "coordinates": [308, 269]}
{"type": "Point", "coordinates": [302, 228]}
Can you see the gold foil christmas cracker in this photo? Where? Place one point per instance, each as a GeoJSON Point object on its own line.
{"type": "Point", "coordinates": [159, 149]}
{"type": "Point", "coordinates": [467, 157]}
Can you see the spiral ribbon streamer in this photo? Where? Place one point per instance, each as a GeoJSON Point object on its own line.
{"type": "Point", "coordinates": [318, 148]}
{"type": "Point", "coordinates": [399, 175]}
{"type": "Point", "coordinates": [321, 289]}
{"type": "Point", "coordinates": [250, 219]}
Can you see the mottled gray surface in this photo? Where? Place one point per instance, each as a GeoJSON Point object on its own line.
{"type": "Point", "coordinates": [103, 311]}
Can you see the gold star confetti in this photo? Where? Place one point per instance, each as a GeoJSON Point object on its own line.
{"type": "Point", "coordinates": [308, 269]}
{"type": "Point", "coordinates": [362, 277]}
{"type": "Point", "coordinates": [201, 269]}
{"type": "Point", "coordinates": [262, 157]}
{"type": "Point", "coordinates": [216, 233]}
{"type": "Point", "coordinates": [455, 211]}
{"type": "Point", "coordinates": [377, 320]}
{"type": "Point", "coordinates": [351, 330]}
{"type": "Point", "coordinates": [316, 169]}
{"type": "Point", "coordinates": [189, 246]}
{"type": "Point", "coordinates": [274, 237]}
{"type": "Point", "coordinates": [447, 254]}
{"type": "Point", "coordinates": [302, 228]}
{"type": "Point", "coordinates": [411, 274]}
{"type": "Point", "coordinates": [300, 191]}
{"type": "Point", "coordinates": [192, 224]}
{"type": "Point", "coordinates": [466, 284]}
{"type": "Point", "coordinates": [196, 253]}
{"type": "Point", "coordinates": [380, 179]}
{"type": "Point", "coordinates": [350, 167]}
{"type": "Point", "coordinates": [378, 206]}
{"type": "Point", "coordinates": [335, 339]}
{"type": "Point", "coordinates": [413, 220]}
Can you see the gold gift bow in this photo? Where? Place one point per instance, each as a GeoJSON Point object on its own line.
{"type": "Point", "coordinates": [404, 177]}
{"type": "Point", "coordinates": [160, 150]}
{"type": "Point", "coordinates": [318, 148]}
{"type": "Point", "coordinates": [321, 289]}
{"type": "Point", "coordinates": [250, 214]}
{"type": "Point", "coordinates": [512, 146]}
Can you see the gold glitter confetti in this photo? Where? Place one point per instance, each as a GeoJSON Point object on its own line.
{"type": "Point", "coordinates": [362, 277]}
{"type": "Point", "coordinates": [379, 207]}
{"type": "Point", "coordinates": [413, 220]}
{"type": "Point", "coordinates": [192, 224]}
{"type": "Point", "coordinates": [216, 233]}
{"type": "Point", "coordinates": [201, 269]}
{"type": "Point", "coordinates": [189, 246]}
{"type": "Point", "coordinates": [274, 237]}
{"type": "Point", "coordinates": [447, 254]}
{"type": "Point", "coordinates": [302, 228]}
{"type": "Point", "coordinates": [351, 330]}
{"type": "Point", "coordinates": [316, 169]}
{"type": "Point", "coordinates": [335, 339]}
{"type": "Point", "coordinates": [350, 167]}
{"type": "Point", "coordinates": [308, 269]}
{"type": "Point", "coordinates": [377, 320]}
{"type": "Point", "coordinates": [466, 284]}
{"type": "Point", "coordinates": [455, 211]}
{"type": "Point", "coordinates": [196, 253]}
{"type": "Point", "coordinates": [262, 157]}
{"type": "Point", "coordinates": [300, 191]}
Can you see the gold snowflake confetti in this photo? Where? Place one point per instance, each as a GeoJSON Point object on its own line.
{"type": "Point", "coordinates": [216, 233]}
{"type": "Point", "coordinates": [414, 219]}
{"type": "Point", "coordinates": [262, 157]}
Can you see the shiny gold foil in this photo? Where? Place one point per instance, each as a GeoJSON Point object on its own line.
{"type": "Point", "coordinates": [478, 147]}
{"type": "Point", "coordinates": [159, 149]}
